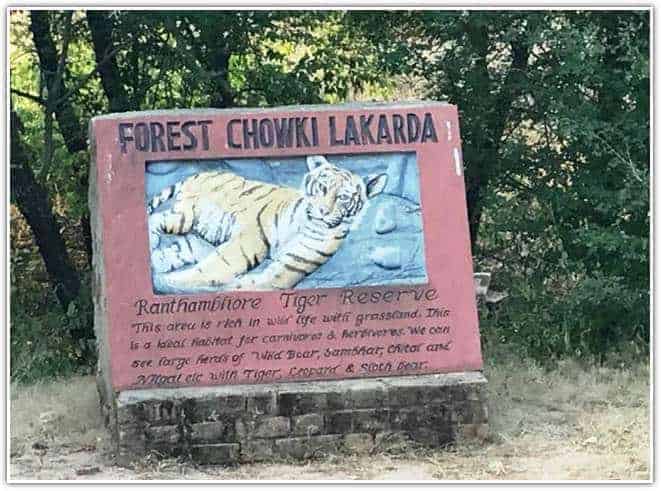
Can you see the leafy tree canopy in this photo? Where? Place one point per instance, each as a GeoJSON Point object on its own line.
{"type": "Point", "coordinates": [554, 113]}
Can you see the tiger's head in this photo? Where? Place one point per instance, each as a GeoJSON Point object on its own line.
{"type": "Point", "coordinates": [336, 195]}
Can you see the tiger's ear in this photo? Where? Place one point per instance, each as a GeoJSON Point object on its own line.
{"type": "Point", "coordinates": [375, 184]}
{"type": "Point", "coordinates": [315, 161]}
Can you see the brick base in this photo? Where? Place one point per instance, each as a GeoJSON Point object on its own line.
{"type": "Point", "coordinates": [248, 423]}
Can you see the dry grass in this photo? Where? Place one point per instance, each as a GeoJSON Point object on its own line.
{"type": "Point", "coordinates": [574, 422]}
{"type": "Point", "coordinates": [62, 413]}
{"type": "Point", "coordinates": [571, 423]}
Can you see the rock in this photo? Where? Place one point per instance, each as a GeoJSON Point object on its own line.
{"type": "Point", "coordinates": [481, 281]}
{"type": "Point", "coordinates": [411, 181]}
{"type": "Point", "coordinates": [168, 434]}
{"type": "Point", "coordinates": [209, 432]}
{"type": "Point", "coordinates": [214, 454]}
{"type": "Point", "coordinates": [388, 257]}
{"type": "Point", "coordinates": [40, 446]}
{"type": "Point", "coordinates": [87, 470]}
{"type": "Point", "coordinates": [395, 171]}
{"type": "Point", "coordinates": [385, 220]}
{"type": "Point", "coordinates": [495, 297]}
{"type": "Point", "coordinates": [307, 447]}
{"type": "Point", "coordinates": [263, 427]}
{"type": "Point", "coordinates": [308, 424]}
{"type": "Point", "coordinates": [162, 168]}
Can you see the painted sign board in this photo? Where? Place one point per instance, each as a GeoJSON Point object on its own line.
{"type": "Point", "coordinates": [285, 244]}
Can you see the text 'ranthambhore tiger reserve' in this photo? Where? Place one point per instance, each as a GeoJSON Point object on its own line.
{"type": "Point", "coordinates": [257, 246]}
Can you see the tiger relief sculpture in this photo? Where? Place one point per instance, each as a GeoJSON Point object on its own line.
{"type": "Point", "coordinates": [248, 221]}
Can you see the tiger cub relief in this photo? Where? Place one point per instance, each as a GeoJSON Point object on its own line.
{"type": "Point", "coordinates": [244, 222]}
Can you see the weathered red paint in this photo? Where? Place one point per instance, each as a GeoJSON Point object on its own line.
{"type": "Point", "coordinates": [127, 268]}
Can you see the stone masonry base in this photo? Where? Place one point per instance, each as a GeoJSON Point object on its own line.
{"type": "Point", "coordinates": [248, 423]}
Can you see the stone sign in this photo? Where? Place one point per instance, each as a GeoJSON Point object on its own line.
{"type": "Point", "coordinates": [275, 246]}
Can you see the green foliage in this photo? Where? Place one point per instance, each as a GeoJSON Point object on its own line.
{"type": "Point", "coordinates": [41, 345]}
{"type": "Point", "coordinates": [164, 60]}
{"type": "Point", "coordinates": [554, 113]}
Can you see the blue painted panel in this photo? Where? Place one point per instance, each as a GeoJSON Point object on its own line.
{"type": "Point", "coordinates": [387, 247]}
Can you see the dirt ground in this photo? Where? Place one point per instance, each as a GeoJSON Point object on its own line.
{"type": "Point", "coordinates": [572, 423]}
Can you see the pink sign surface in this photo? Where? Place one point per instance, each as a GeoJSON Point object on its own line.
{"type": "Point", "coordinates": [287, 244]}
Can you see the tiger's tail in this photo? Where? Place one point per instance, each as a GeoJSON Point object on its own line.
{"type": "Point", "coordinates": [163, 196]}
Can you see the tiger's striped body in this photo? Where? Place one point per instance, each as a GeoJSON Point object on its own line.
{"type": "Point", "coordinates": [247, 221]}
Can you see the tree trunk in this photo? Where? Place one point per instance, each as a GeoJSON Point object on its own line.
{"type": "Point", "coordinates": [474, 204]}
{"type": "Point", "coordinates": [33, 202]}
{"type": "Point", "coordinates": [223, 96]}
{"type": "Point", "coordinates": [74, 133]}
{"type": "Point", "coordinates": [486, 140]}
{"type": "Point", "coordinates": [101, 27]}
{"type": "Point", "coordinates": [216, 57]}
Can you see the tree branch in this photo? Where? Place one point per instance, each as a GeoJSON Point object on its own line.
{"type": "Point", "coordinates": [35, 98]}
{"type": "Point", "coordinates": [51, 100]}
{"type": "Point", "coordinates": [81, 83]}
{"type": "Point", "coordinates": [74, 134]}
{"type": "Point", "coordinates": [101, 29]}
{"type": "Point", "coordinates": [33, 202]}
{"type": "Point", "coordinates": [59, 72]}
